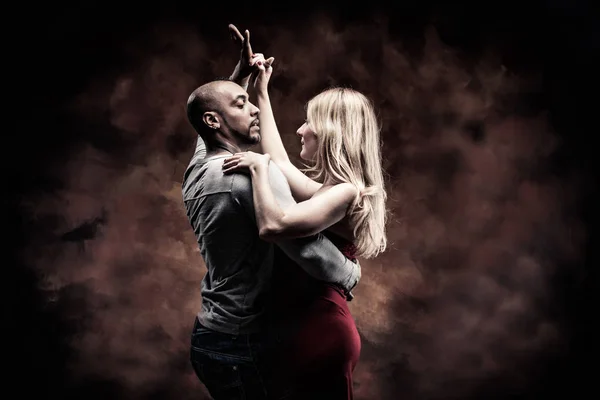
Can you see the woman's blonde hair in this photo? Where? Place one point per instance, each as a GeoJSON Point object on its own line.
{"type": "Point", "coordinates": [349, 150]}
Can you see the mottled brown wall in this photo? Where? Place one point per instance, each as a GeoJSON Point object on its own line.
{"type": "Point", "coordinates": [478, 225]}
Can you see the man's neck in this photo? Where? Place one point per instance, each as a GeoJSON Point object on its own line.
{"type": "Point", "coordinates": [218, 149]}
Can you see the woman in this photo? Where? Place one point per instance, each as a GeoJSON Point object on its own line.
{"type": "Point", "coordinates": [345, 199]}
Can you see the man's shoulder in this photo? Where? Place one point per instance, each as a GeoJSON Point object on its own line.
{"type": "Point", "coordinates": [205, 176]}
{"type": "Point", "coordinates": [191, 176]}
{"type": "Point", "coordinates": [241, 184]}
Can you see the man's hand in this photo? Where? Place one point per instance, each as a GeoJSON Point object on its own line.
{"type": "Point", "coordinates": [245, 49]}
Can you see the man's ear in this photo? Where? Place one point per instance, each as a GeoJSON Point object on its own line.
{"type": "Point", "coordinates": [211, 119]}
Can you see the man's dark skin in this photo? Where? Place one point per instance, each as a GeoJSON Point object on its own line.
{"type": "Point", "coordinates": [241, 75]}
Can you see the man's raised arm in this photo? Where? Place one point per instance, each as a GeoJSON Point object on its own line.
{"type": "Point", "coordinates": [243, 69]}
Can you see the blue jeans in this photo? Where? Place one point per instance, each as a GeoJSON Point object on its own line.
{"type": "Point", "coordinates": [230, 366]}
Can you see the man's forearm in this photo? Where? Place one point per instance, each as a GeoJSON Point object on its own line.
{"type": "Point", "coordinates": [322, 260]}
{"type": "Point", "coordinates": [315, 254]}
{"type": "Point", "coordinates": [238, 78]}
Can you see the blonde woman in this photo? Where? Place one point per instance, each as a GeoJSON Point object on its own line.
{"type": "Point", "coordinates": [345, 199]}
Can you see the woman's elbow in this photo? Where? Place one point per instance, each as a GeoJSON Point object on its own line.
{"type": "Point", "coordinates": [268, 233]}
{"type": "Point", "coordinates": [275, 233]}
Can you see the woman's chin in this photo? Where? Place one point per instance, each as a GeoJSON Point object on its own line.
{"type": "Point", "coordinates": [307, 157]}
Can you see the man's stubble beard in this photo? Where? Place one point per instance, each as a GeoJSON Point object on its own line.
{"type": "Point", "coordinates": [248, 139]}
{"type": "Point", "coordinates": [251, 138]}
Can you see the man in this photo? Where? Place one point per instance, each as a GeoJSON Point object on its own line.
{"type": "Point", "coordinates": [230, 337]}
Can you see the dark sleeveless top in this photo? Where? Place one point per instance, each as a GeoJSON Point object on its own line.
{"type": "Point", "coordinates": [346, 247]}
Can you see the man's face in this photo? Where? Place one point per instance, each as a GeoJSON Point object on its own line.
{"type": "Point", "coordinates": [239, 116]}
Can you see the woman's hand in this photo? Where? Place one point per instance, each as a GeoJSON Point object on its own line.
{"type": "Point", "coordinates": [262, 74]}
{"type": "Point", "coordinates": [245, 162]}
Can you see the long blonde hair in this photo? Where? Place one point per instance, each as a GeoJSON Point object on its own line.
{"type": "Point", "coordinates": [349, 150]}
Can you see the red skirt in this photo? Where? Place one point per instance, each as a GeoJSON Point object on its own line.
{"type": "Point", "coordinates": [319, 346]}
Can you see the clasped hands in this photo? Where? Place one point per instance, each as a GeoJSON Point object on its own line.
{"type": "Point", "coordinates": [250, 64]}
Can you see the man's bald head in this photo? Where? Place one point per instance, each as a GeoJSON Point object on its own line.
{"type": "Point", "coordinates": [208, 97]}
{"type": "Point", "coordinates": [222, 114]}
